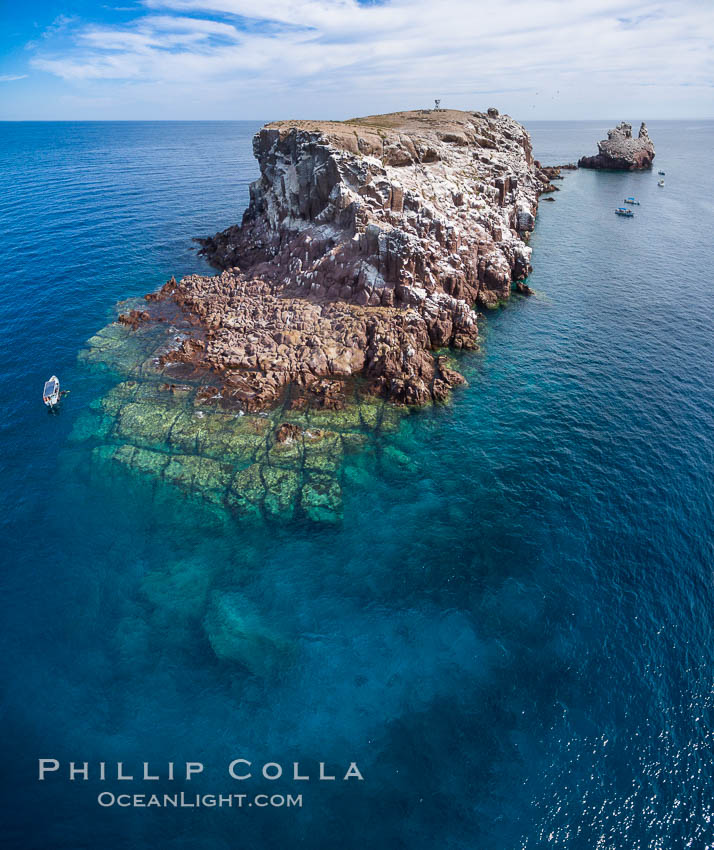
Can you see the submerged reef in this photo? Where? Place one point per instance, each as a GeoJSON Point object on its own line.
{"type": "Point", "coordinates": [165, 421]}
{"type": "Point", "coordinates": [362, 257]}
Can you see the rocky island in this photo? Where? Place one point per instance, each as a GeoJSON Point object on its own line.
{"type": "Point", "coordinates": [621, 151]}
{"type": "Point", "coordinates": [365, 251]}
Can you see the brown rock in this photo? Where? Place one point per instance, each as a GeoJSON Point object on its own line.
{"type": "Point", "coordinates": [287, 433]}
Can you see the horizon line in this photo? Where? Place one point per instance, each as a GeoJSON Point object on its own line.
{"type": "Point", "coordinates": [256, 120]}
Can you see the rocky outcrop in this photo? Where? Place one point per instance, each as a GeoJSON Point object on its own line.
{"type": "Point", "coordinates": [621, 151]}
{"type": "Point", "coordinates": [365, 248]}
{"type": "Point", "coordinates": [553, 172]}
{"type": "Point", "coordinates": [362, 257]}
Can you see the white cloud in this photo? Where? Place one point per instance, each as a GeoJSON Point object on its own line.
{"type": "Point", "coordinates": [8, 78]}
{"type": "Point", "coordinates": [340, 52]}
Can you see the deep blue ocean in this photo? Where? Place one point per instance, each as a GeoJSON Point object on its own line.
{"type": "Point", "coordinates": [512, 636]}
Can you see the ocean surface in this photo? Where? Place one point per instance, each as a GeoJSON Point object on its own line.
{"type": "Point", "coordinates": [512, 634]}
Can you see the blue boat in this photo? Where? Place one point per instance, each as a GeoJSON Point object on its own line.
{"type": "Point", "coordinates": [622, 211]}
{"type": "Point", "coordinates": [632, 201]}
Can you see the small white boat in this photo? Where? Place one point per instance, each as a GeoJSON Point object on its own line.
{"type": "Point", "coordinates": [660, 182]}
{"type": "Point", "coordinates": [51, 392]}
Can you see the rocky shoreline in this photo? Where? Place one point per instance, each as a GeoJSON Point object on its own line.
{"type": "Point", "coordinates": [366, 250]}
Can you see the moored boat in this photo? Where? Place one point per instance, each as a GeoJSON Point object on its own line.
{"type": "Point", "coordinates": [632, 201]}
{"type": "Point", "coordinates": [660, 182]}
{"type": "Point", "coordinates": [51, 392]}
{"type": "Point", "coordinates": [622, 211]}
{"type": "Point", "coordinates": [661, 172]}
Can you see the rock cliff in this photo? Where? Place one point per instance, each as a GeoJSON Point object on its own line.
{"type": "Point", "coordinates": [621, 151]}
{"type": "Point", "coordinates": [365, 248]}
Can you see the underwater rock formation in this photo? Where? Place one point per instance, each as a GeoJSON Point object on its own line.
{"type": "Point", "coordinates": [237, 632]}
{"type": "Point", "coordinates": [621, 151]}
{"type": "Point", "coordinates": [282, 466]}
{"type": "Point", "coordinates": [364, 251]}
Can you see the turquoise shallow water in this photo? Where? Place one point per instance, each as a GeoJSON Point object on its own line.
{"type": "Point", "coordinates": [511, 635]}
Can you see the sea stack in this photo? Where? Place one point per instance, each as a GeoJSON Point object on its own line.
{"type": "Point", "coordinates": [621, 151]}
{"type": "Point", "coordinates": [366, 246]}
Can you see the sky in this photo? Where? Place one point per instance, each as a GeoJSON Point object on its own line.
{"type": "Point", "coordinates": [267, 59]}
